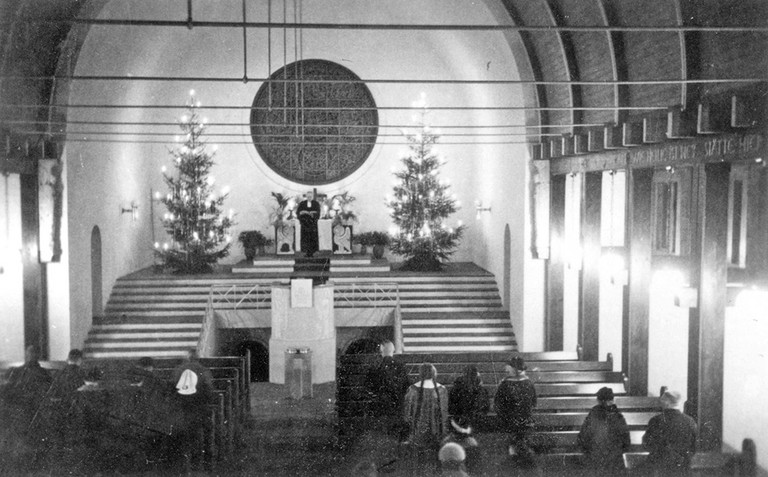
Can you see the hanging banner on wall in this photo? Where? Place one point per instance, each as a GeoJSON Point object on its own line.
{"type": "Point", "coordinates": [50, 203]}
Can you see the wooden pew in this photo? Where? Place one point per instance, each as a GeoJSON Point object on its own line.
{"type": "Point", "coordinates": [736, 463]}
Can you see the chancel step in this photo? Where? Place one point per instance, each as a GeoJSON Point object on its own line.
{"type": "Point", "coordinates": [457, 310]}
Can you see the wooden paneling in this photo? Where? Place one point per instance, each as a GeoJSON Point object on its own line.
{"type": "Point", "coordinates": [589, 326]}
{"type": "Point", "coordinates": [555, 272]}
{"type": "Point", "coordinates": [35, 308]}
{"type": "Point", "coordinates": [640, 256]}
{"type": "Point", "coordinates": [707, 359]}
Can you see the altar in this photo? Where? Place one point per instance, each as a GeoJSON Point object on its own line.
{"type": "Point", "coordinates": [331, 238]}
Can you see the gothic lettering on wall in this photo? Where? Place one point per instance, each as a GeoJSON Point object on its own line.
{"type": "Point", "coordinates": [314, 122]}
{"type": "Point", "coordinates": [722, 148]}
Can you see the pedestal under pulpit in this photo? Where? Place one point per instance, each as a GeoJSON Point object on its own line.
{"type": "Point", "coordinates": [303, 318]}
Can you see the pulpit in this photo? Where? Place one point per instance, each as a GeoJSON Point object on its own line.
{"type": "Point", "coordinates": [303, 319]}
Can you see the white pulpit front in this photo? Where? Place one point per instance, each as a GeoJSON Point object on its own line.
{"type": "Point", "coordinates": [300, 322]}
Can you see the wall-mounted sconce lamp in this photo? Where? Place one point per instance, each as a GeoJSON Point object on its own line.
{"type": "Point", "coordinates": [479, 207]}
{"type": "Point", "coordinates": [133, 209]}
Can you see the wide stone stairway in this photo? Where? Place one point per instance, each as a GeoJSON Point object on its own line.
{"type": "Point", "coordinates": [160, 315]}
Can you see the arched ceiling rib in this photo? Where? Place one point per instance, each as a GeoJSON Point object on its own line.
{"type": "Point", "coordinates": [556, 55]}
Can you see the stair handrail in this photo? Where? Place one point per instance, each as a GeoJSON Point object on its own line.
{"type": "Point", "coordinates": [376, 293]}
{"type": "Point", "coordinates": [206, 343]}
{"type": "Point", "coordinates": [232, 297]}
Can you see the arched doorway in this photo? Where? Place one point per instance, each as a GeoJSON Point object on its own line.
{"type": "Point", "coordinates": [363, 346]}
{"type": "Point", "coordinates": [506, 286]}
{"type": "Point", "coordinates": [259, 360]}
{"type": "Point", "coordinates": [97, 306]}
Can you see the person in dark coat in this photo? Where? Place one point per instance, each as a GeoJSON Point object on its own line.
{"type": "Point", "coordinates": [27, 384]}
{"type": "Point", "coordinates": [670, 438]}
{"type": "Point", "coordinates": [22, 397]}
{"type": "Point", "coordinates": [194, 391]}
{"type": "Point", "coordinates": [468, 398]}
{"type": "Point", "coordinates": [308, 212]}
{"type": "Point", "coordinates": [65, 412]}
{"type": "Point", "coordinates": [515, 400]}
{"type": "Point", "coordinates": [604, 435]}
{"type": "Point", "coordinates": [388, 382]}
{"type": "Point", "coordinates": [69, 379]}
{"type": "Point", "coordinates": [143, 375]}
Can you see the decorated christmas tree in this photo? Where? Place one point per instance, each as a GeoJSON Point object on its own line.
{"type": "Point", "coordinates": [421, 205]}
{"type": "Point", "coordinates": [195, 221]}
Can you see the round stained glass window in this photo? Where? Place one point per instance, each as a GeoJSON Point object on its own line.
{"type": "Point", "coordinates": [314, 122]}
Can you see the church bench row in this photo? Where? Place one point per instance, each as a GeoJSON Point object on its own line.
{"type": "Point", "coordinates": [116, 367]}
{"type": "Point", "coordinates": [491, 379]}
{"type": "Point", "coordinates": [360, 393]}
{"type": "Point", "coordinates": [466, 357]}
{"type": "Point", "coordinates": [226, 410]}
{"type": "Point", "coordinates": [741, 463]}
{"type": "Point", "coordinates": [487, 367]}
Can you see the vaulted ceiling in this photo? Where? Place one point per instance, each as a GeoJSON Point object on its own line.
{"type": "Point", "coordinates": [583, 63]}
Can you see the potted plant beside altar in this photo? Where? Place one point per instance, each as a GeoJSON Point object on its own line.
{"type": "Point", "coordinates": [254, 243]}
{"type": "Point", "coordinates": [376, 240]}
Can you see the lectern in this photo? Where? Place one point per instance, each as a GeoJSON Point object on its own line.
{"type": "Point", "coordinates": [303, 318]}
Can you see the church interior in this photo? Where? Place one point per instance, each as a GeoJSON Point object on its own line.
{"type": "Point", "coordinates": [595, 202]}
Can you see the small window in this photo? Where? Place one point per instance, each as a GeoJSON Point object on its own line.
{"type": "Point", "coordinates": [737, 218]}
{"type": "Point", "coordinates": [666, 216]}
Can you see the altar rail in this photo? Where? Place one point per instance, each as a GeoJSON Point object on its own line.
{"type": "Point", "coordinates": [348, 295]}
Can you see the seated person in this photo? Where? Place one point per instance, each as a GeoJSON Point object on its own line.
{"type": "Point", "coordinates": [143, 375]}
{"type": "Point", "coordinates": [69, 379]}
{"type": "Point", "coordinates": [25, 388]}
{"type": "Point", "coordinates": [604, 435]}
{"type": "Point", "coordinates": [461, 433]}
{"type": "Point", "coordinates": [451, 456]}
{"type": "Point", "coordinates": [64, 418]}
{"type": "Point", "coordinates": [194, 391]}
{"type": "Point", "coordinates": [670, 437]}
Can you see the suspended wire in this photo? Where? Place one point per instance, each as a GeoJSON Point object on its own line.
{"type": "Point", "coordinates": [292, 136]}
{"type": "Point", "coordinates": [380, 126]}
{"type": "Point", "coordinates": [297, 145]}
{"type": "Point", "coordinates": [228, 79]}
{"type": "Point", "coordinates": [344, 108]}
{"type": "Point", "coordinates": [384, 26]}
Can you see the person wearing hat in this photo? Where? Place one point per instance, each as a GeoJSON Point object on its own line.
{"type": "Point", "coordinates": [670, 437]}
{"type": "Point", "coordinates": [460, 433]}
{"type": "Point", "coordinates": [514, 401]}
{"type": "Point", "coordinates": [451, 456]}
{"type": "Point", "coordinates": [604, 435]}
